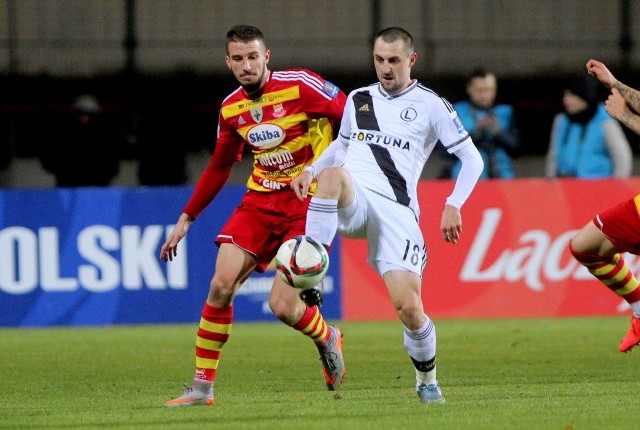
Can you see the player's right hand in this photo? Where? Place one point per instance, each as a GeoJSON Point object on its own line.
{"type": "Point", "coordinates": [301, 183]}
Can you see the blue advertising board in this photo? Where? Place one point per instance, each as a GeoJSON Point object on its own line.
{"type": "Point", "coordinates": [89, 256]}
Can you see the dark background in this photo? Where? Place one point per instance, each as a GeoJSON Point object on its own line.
{"type": "Point", "coordinates": [31, 104]}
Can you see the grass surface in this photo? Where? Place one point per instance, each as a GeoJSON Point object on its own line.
{"type": "Point", "coordinates": [495, 374]}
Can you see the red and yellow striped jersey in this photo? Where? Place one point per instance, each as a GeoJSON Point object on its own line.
{"type": "Point", "coordinates": [287, 127]}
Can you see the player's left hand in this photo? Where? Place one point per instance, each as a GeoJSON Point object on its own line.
{"type": "Point", "coordinates": [451, 224]}
{"type": "Point", "coordinates": [301, 184]}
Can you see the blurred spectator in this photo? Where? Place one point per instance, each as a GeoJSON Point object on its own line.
{"type": "Point", "coordinates": [82, 149]}
{"type": "Point", "coordinates": [160, 144]}
{"type": "Point", "coordinates": [492, 126]}
{"type": "Point", "coordinates": [585, 141]}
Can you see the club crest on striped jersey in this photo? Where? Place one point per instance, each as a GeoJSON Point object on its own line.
{"type": "Point", "coordinates": [256, 114]}
{"type": "Point", "coordinates": [265, 136]}
{"type": "Point", "coordinates": [279, 111]}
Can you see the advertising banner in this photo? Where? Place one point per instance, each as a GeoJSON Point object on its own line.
{"type": "Point", "coordinates": [513, 258]}
{"type": "Point", "coordinates": [90, 256]}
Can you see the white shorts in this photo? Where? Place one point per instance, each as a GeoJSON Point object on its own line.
{"type": "Point", "coordinates": [392, 232]}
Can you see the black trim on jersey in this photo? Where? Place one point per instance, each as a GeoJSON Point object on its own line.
{"type": "Point", "coordinates": [365, 115]}
{"type": "Point", "coordinates": [445, 101]}
{"type": "Point", "coordinates": [388, 167]}
{"type": "Point", "coordinates": [457, 143]}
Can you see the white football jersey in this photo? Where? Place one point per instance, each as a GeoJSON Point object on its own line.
{"type": "Point", "coordinates": [388, 139]}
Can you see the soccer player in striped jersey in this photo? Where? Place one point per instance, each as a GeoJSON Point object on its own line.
{"type": "Point", "coordinates": [287, 118]}
{"type": "Point", "coordinates": [367, 180]}
{"type": "Point", "coordinates": [599, 245]}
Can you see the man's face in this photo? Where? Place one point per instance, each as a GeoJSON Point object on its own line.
{"type": "Point", "coordinates": [573, 103]}
{"type": "Point", "coordinates": [393, 65]}
{"type": "Point", "coordinates": [248, 62]}
{"type": "Point", "coordinates": [482, 91]}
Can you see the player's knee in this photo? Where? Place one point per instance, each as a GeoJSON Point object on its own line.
{"type": "Point", "coordinates": [280, 309]}
{"type": "Point", "coordinates": [582, 254]}
{"type": "Point", "coordinates": [220, 292]}
{"type": "Point", "coordinates": [574, 248]}
{"type": "Point", "coordinates": [411, 315]}
{"type": "Point", "coordinates": [330, 182]}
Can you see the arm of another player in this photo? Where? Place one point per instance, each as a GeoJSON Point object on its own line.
{"type": "Point", "coordinates": [472, 165]}
{"type": "Point", "coordinates": [617, 107]}
{"type": "Point", "coordinates": [333, 156]}
{"type": "Point", "coordinates": [604, 75]}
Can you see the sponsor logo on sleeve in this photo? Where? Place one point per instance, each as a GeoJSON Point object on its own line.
{"type": "Point", "coordinates": [330, 89]}
{"type": "Point", "coordinates": [458, 124]}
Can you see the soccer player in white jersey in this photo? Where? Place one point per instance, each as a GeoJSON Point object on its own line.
{"type": "Point", "coordinates": [367, 180]}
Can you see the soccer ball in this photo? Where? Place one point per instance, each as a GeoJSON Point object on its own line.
{"type": "Point", "coordinates": [302, 262]}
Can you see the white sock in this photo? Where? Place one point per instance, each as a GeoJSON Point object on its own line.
{"type": "Point", "coordinates": [322, 220]}
{"type": "Point", "coordinates": [635, 308]}
{"type": "Point", "coordinates": [421, 346]}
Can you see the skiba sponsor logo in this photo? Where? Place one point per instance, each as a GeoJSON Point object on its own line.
{"type": "Point", "coordinates": [99, 259]}
{"type": "Point", "coordinates": [265, 136]}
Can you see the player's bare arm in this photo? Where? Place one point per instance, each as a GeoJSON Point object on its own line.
{"type": "Point", "coordinates": [603, 74]}
{"type": "Point", "coordinates": [301, 184]}
{"type": "Point", "coordinates": [617, 107]}
{"type": "Point", "coordinates": [451, 224]}
{"type": "Point", "coordinates": [631, 96]}
{"type": "Point", "coordinates": [598, 70]}
{"type": "Point", "coordinates": [170, 248]}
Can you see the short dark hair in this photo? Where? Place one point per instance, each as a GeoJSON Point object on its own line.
{"type": "Point", "coordinates": [479, 72]}
{"type": "Point", "coordinates": [391, 34]}
{"type": "Point", "coordinates": [244, 33]}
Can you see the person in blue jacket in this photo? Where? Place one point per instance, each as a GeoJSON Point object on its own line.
{"type": "Point", "coordinates": [492, 126]}
{"type": "Point", "coordinates": [585, 141]}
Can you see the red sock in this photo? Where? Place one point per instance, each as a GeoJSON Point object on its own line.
{"type": "Point", "coordinates": [313, 325]}
{"type": "Point", "coordinates": [213, 333]}
{"type": "Point", "coordinates": [613, 272]}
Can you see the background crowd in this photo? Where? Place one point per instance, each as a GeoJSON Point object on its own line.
{"type": "Point", "coordinates": [551, 129]}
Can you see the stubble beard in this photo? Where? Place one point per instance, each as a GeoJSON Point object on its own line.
{"type": "Point", "coordinates": [255, 87]}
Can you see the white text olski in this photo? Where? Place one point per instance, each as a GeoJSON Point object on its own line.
{"type": "Point", "coordinates": [109, 258]}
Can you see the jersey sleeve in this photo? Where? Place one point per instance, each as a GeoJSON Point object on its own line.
{"type": "Point", "coordinates": [449, 128]}
{"type": "Point", "coordinates": [228, 150]}
{"type": "Point", "coordinates": [472, 166]}
{"type": "Point", "coordinates": [322, 98]}
{"type": "Point", "coordinates": [336, 152]}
